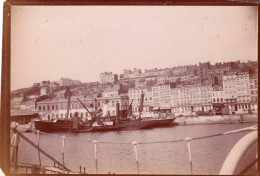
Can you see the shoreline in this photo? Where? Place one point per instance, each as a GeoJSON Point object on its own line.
{"type": "Point", "coordinates": [217, 119]}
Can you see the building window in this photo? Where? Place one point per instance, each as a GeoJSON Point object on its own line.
{"type": "Point", "coordinates": [48, 107]}
{"type": "Point", "coordinates": [57, 107]}
{"type": "Point", "coordinates": [113, 103]}
{"type": "Point", "coordinates": [52, 107]}
{"type": "Point", "coordinates": [81, 114]}
{"type": "Point", "coordinates": [43, 108]}
{"type": "Point", "coordinates": [40, 108]}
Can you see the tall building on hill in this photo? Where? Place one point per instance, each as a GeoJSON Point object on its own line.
{"type": "Point", "coordinates": [108, 77]}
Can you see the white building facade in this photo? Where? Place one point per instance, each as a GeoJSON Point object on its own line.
{"type": "Point", "coordinates": [108, 77]}
{"type": "Point", "coordinates": [190, 99]}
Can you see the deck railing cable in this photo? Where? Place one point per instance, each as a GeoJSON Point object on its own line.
{"type": "Point", "coordinates": [40, 150]}
{"type": "Point", "coordinates": [134, 143]}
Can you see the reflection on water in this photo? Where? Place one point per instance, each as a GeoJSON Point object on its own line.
{"type": "Point", "coordinates": [208, 154]}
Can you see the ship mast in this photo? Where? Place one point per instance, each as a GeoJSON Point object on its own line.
{"type": "Point", "coordinates": [141, 105]}
{"type": "Point", "coordinates": [129, 110]}
{"type": "Point", "coordinates": [93, 115]}
{"type": "Point", "coordinates": [68, 93]}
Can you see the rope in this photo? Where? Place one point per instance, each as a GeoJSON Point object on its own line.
{"type": "Point", "coordinates": [42, 151]}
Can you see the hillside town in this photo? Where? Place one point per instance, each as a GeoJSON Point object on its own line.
{"type": "Point", "coordinates": [192, 90]}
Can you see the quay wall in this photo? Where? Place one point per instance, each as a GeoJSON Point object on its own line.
{"type": "Point", "coordinates": [217, 119]}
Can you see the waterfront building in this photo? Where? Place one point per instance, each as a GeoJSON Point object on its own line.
{"type": "Point", "coordinates": [253, 85]}
{"type": "Point", "coordinates": [243, 92]}
{"type": "Point", "coordinates": [135, 97]}
{"type": "Point", "coordinates": [161, 96]}
{"type": "Point", "coordinates": [189, 99]}
{"type": "Point", "coordinates": [236, 88]}
{"type": "Point", "coordinates": [218, 102]}
{"type": "Point", "coordinates": [108, 77]}
{"type": "Point", "coordinates": [57, 108]}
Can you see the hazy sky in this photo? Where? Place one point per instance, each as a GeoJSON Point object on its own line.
{"type": "Point", "coordinates": [80, 42]}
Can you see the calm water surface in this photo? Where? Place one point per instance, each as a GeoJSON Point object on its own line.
{"type": "Point", "coordinates": [208, 154]}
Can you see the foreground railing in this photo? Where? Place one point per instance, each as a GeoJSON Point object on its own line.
{"type": "Point", "coordinates": [64, 169]}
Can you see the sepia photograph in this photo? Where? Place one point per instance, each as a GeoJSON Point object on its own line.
{"type": "Point", "coordinates": [133, 89]}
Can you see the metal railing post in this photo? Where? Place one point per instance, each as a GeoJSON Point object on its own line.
{"type": "Point", "coordinates": [189, 151]}
{"type": "Point", "coordinates": [38, 144]}
{"type": "Point", "coordinates": [95, 150]}
{"type": "Point", "coordinates": [62, 150]}
{"type": "Point", "coordinates": [136, 156]}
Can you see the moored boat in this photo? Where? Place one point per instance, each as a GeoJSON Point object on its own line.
{"type": "Point", "coordinates": [59, 125]}
{"type": "Point", "coordinates": [134, 124]}
{"type": "Point", "coordinates": [77, 125]}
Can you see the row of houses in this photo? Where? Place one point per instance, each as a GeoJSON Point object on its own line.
{"type": "Point", "coordinates": [238, 93]}
{"type": "Point", "coordinates": [193, 73]}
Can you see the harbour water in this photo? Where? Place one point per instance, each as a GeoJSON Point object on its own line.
{"type": "Point", "coordinates": [207, 154]}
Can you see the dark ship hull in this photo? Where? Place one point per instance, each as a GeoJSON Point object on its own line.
{"type": "Point", "coordinates": [146, 124]}
{"type": "Point", "coordinates": [53, 126]}
{"type": "Point", "coordinates": [133, 124]}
